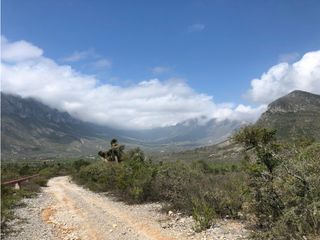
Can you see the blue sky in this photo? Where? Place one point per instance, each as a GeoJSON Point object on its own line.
{"type": "Point", "coordinates": [217, 47]}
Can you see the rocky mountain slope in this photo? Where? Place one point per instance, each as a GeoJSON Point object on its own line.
{"type": "Point", "coordinates": [294, 115]}
{"type": "Point", "coordinates": [30, 128]}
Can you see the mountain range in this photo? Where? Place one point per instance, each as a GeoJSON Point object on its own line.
{"type": "Point", "coordinates": [294, 116]}
{"type": "Point", "coordinates": [31, 129]}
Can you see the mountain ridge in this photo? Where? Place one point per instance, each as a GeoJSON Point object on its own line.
{"type": "Point", "coordinates": [294, 115]}
{"type": "Point", "coordinates": [30, 128]}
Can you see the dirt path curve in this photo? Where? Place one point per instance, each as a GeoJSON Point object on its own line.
{"type": "Point", "coordinates": [80, 214]}
{"type": "Point", "coordinates": [66, 211]}
{"type": "Point", "coordinates": [77, 213]}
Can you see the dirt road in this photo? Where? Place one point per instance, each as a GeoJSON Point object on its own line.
{"type": "Point", "coordinates": [67, 211]}
{"type": "Point", "coordinates": [79, 213]}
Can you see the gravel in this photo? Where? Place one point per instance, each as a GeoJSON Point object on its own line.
{"type": "Point", "coordinates": [28, 224]}
{"type": "Point", "coordinates": [67, 211]}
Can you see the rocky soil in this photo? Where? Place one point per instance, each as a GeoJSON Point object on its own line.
{"type": "Point", "coordinates": [67, 211]}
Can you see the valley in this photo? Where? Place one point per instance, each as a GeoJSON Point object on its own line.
{"type": "Point", "coordinates": [154, 193]}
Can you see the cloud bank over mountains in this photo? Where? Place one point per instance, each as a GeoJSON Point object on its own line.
{"type": "Point", "coordinates": [151, 103]}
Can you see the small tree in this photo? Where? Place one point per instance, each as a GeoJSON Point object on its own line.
{"type": "Point", "coordinates": [115, 153]}
{"type": "Point", "coordinates": [261, 157]}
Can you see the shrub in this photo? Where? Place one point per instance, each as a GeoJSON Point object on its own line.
{"type": "Point", "coordinates": [174, 184]}
{"type": "Point", "coordinates": [203, 214]}
{"type": "Point", "coordinates": [50, 171]}
{"type": "Point", "coordinates": [284, 187]}
{"type": "Point", "coordinates": [179, 183]}
{"type": "Point", "coordinates": [41, 181]}
{"type": "Point", "coordinates": [132, 179]}
{"type": "Point", "coordinates": [78, 164]}
{"type": "Point", "coordinates": [202, 189]}
{"type": "Point", "coordinates": [299, 189]}
{"type": "Point", "coordinates": [138, 176]}
{"type": "Point", "coordinates": [225, 193]}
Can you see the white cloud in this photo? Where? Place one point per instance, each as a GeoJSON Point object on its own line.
{"type": "Point", "coordinates": [198, 27]}
{"type": "Point", "coordinates": [101, 63]}
{"type": "Point", "coordinates": [288, 57]}
{"type": "Point", "coordinates": [160, 70]}
{"type": "Point", "coordinates": [92, 59]}
{"type": "Point", "coordinates": [150, 103]}
{"type": "Point", "coordinates": [80, 55]}
{"type": "Point", "coordinates": [18, 51]}
{"type": "Point", "coordinates": [285, 77]}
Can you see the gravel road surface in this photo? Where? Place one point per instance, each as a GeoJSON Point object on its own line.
{"type": "Point", "coordinates": [67, 211]}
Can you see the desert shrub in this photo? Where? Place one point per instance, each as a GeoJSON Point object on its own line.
{"type": "Point", "coordinates": [203, 214]}
{"type": "Point", "coordinates": [203, 166]}
{"type": "Point", "coordinates": [25, 170]}
{"type": "Point", "coordinates": [137, 178]}
{"type": "Point", "coordinates": [8, 201]}
{"type": "Point", "coordinates": [10, 171]}
{"type": "Point", "coordinates": [78, 164]}
{"type": "Point", "coordinates": [179, 183]}
{"type": "Point", "coordinates": [173, 183]}
{"type": "Point", "coordinates": [265, 201]}
{"type": "Point", "coordinates": [202, 189]}
{"type": "Point", "coordinates": [299, 187]}
{"type": "Point", "coordinates": [225, 193]}
{"type": "Point", "coordinates": [91, 175]}
{"type": "Point", "coordinates": [50, 171]}
{"type": "Point", "coordinates": [131, 180]}
{"type": "Point", "coordinates": [40, 181]}
{"type": "Point", "coordinates": [283, 186]}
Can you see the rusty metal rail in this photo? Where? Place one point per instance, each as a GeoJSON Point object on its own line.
{"type": "Point", "coordinates": [18, 181]}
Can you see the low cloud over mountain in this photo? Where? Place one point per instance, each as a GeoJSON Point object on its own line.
{"type": "Point", "coordinates": [148, 104]}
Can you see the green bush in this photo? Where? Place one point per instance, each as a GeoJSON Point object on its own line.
{"type": "Point", "coordinates": [137, 179]}
{"type": "Point", "coordinates": [40, 181]}
{"type": "Point", "coordinates": [299, 187]}
{"type": "Point", "coordinates": [92, 175]}
{"type": "Point", "coordinates": [50, 171]}
{"type": "Point", "coordinates": [78, 164]}
{"type": "Point", "coordinates": [178, 183]}
{"type": "Point", "coordinates": [284, 185]}
{"type": "Point", "coordinates": [225, 193]}
{"type": "Point", "coordinates": [203, 214]}
{"type": "Point", "coordinates": [132, 179]}
{"type": "Point", "coordinates": [173, 184]}
{"type": "Point", "coordinates": [202, 189]}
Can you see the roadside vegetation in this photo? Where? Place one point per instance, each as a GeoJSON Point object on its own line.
{"type": "Point", "coordinates": [202, 189]}
{"type": "Point", "coordinates": [283, 184]}
{"type": "Point", "coordinates": [276, 185]}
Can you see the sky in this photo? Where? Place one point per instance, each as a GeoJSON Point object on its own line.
{"type": "Point", "coordinates": [144, 64]}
